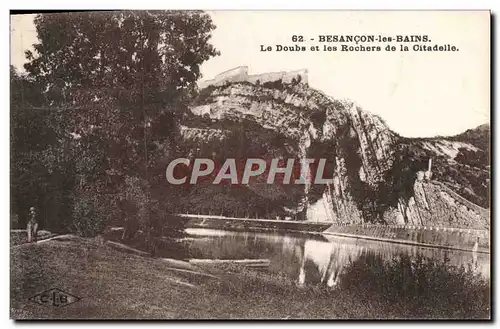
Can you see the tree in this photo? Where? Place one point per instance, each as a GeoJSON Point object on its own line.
{"type": "Point", "coordinates": [36, 179]}
{"type": "Point", "coordinates": [117, 82]}
{"type": "Point", "coordinates": [153, 53]}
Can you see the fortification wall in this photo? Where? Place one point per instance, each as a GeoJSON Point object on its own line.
{"type": "Point", "coordinates": [240, 73]}
{"type": "Point", "coordinates": [289, 76]}
{"type": "Point", "coordinates": [286, 77]}
{"type": "Point", "coordinates": [265, 77]}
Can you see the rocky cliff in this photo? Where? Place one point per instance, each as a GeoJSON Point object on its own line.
{"type": "Point", "coordinates": [374, 170]}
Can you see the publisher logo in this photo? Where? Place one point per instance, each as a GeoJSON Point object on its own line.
{"type": "Point", "coordinates": [54, 297]}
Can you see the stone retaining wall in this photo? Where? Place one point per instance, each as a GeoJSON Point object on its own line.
{"type": "Point", "coordinates": [438, 236]}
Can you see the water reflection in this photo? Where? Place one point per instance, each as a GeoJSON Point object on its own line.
{"type": "Point", "coordinates": [316, 259]}
{"type": "Point", "coordinates": [328, 259]}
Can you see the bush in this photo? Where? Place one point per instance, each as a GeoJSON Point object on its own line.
{"type": "Point", "coordinates": [278, 84]}
{"type": "Point", "coordinates": [422, 287]}
{"type": "Point", "coordinates": [89, 218]}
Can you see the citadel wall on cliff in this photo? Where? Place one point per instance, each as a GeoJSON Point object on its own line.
{"type": "Point", "coordinates": [240, 74]}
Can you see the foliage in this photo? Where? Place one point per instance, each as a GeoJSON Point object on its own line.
{"type": "Point", "coordinates": [422, 287]}
{"type": "Point", "coordinates": [112, 86]}
{"type": "Point", "coordinates": [475, 159]}
{"type": "Point", "coordinates": [32, 137]}
{"type": "Point", "coordinates": [89, 214]}
{"type": "Point", "coordinates": [479, 137]}
{"type": "Point", "coordinates": [148, 51]}
{"type": "Point", "coordinates": [277, 84]}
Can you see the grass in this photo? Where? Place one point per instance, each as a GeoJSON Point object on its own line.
{"type": "Point", "coordinates": [21, 236]}
{"type": "Point", "coordinates": [254, 294]}
{"type": "Point", "coordinates": [111, 284]}
{"type": "Point", "coordinates": [370, 289]}
{"type": "Point", "coordinates": [421, 288]}
{"type": "Point", "coordinates": [115, 285]}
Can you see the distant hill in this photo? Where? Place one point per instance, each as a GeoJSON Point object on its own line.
{"type": "Point", "coordinates": [479, 137]}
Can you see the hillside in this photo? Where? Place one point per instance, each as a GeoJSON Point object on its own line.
{"type": "Point", "coordinates": [374, 170]}
{"type": "Point", "coordinates": [479, 137]}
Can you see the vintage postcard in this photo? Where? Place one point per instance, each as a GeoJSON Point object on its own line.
{"type": "Point", "coordinates": [250, 165]}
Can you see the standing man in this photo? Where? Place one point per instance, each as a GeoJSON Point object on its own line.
{"type": "Point", "coordinates": [32, 226]}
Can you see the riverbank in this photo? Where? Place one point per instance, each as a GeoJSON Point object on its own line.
{"type": "Point", "coordinates": [112, 284]}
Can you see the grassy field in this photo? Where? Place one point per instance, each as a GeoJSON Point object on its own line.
{"type": "Point", "coordinates": [21, 236]}
{"type": "Point", "coordinates": [110, 283]}
{"type": "Point", "coordinates": [117, 285]}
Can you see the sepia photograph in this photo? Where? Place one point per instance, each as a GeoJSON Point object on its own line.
{"type": "Point", "coordinates": [230, 164]}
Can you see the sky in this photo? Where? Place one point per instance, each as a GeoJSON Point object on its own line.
{"type": "Point", "coordinates": [418, 94]}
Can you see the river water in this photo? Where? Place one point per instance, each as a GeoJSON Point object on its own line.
{"type": "Point", "coordinates": [319, 258]}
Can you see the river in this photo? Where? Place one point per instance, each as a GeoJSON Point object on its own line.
{"type": "Point", "coordinates": [317, 258]}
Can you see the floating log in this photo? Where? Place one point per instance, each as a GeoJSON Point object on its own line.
{"type": "Point", "coordinates": [179, 264]}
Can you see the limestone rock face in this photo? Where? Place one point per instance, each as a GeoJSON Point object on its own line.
{"type": "Point", "coordinates": [200, 134]}
{"type": "Point", "coordinates": [435, 205]}
{"type": "Point", "coordinates": [374, 170]}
